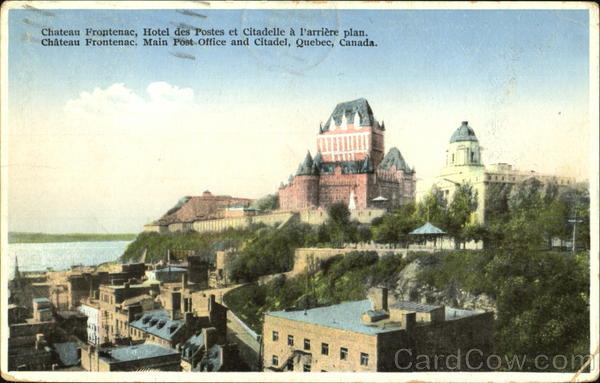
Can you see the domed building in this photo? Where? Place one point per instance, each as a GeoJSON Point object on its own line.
{"type": "Point", "coordinates": [464, 164]}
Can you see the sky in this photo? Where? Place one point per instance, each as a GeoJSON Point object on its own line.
{"type": "Point", "coordinates": [106, 139]}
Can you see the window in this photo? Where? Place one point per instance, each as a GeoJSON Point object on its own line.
{"type": "Point", "coordinates": [343, 353]}
{"type": "Point", "coordinates": [364, 359]}
{"type": "Point", "coordinates": [275, 360]}
{"type": "Point", "coordinates": [324, 349]}
{"type": "Point", "coordinates": [290, 340]}
{"type": "Point", "coordinates": [306, 368]}
{"type": "Point", "coordinates": [307, 344]}
{"type": "Point", "coordinates": [275, 336]}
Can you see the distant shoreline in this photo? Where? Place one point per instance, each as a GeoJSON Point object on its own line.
{"type": "Point", "coordinates": [19, 237]}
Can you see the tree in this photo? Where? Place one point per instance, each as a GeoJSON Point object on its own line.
{"type": "Point", "coordinates": [394, 227]}
{"type": "Point", "coordinates": [267, 203]}
{"type": "Point", "coordinates": [433, 208]}
{"type": "Point", "coordinates": [462, 207]}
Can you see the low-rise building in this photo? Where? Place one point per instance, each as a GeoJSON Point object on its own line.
{"type": "Point", "coordinates": [130, 358]}
{"type": "Point", "coordinates": [369, 335]}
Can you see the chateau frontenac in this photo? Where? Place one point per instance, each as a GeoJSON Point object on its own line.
{"type": "Point", "coordinates": [349, 166]}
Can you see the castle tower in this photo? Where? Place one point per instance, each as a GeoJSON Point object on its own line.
{"type": "Point", "coordinates": [351, 133]}
{"type": "Point", "coordinates": [464, 148]}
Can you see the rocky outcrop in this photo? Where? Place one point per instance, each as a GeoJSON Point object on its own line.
{"type": "Point", "coordinates": [408, 287]}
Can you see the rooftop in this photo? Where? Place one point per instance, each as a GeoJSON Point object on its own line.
{"type": "Point", "coordinates": [463, 133]}
{"type": "Point", "coordinates": [193, 344]}
{"type": "Point", "coordinates": [41, 300]}
{"type": "Point", "coordinates": [413, 306]}
{"type": "Point", "coordinates": [140, 351]}
{"type": "Point", "coordinates": [427, 229]}
{"type": "Point", "coordinates": [349, 109]}
{"type": "Point", "coordinates": [344, 316]}
{"type": "Point", "coordinates": [394, 158]}
{"type": "Point", "coordinates": [170, 269]}
{"type": "Point", "coordinates": [158, 323]}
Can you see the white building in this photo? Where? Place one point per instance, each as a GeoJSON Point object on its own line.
{"type": "Point", "coordinates": [464, 164]}
{"type": "Point", "coordinates": [93, 323]}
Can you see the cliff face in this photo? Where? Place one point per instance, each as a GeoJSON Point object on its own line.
{"type": "Point", "coordinates": [408, 287]}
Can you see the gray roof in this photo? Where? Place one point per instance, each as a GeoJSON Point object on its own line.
{"type": "Point", "coordinates": [158, 323]}
{"type": "Point", "coordinates": [67, 353]}
{"type": "Point", "coordinates": [394, 158]}
{"type": "Point", "coordinates": [427, 229]}
{"type": "Point", "coordinates": [349, 110]}
{"type": "Point", "coordinates": [140, 351]}
{"type": "Point", "coordinates": [192, 345]}
{"type": "Point", "coordinates": [171, 269]}
{"type": "Point", "coordinates": [344, 316]}
{"type": "Point", "coordinates": [463, 133]}
{"type": "Point", "coordinates": [41, 300]}
{"type": "Point", "coordinates": [412, 306]}
{"type": "Point", "coordinates": [306, 167]}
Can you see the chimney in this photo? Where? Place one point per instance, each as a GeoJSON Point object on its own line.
{"type": "Point", "coordinates": [209, 335]}
{"type": "Point", "coordinates": [409, 320]}
{"type": "Point", "coordinates": [184, 281]}
{"type": "Point", "coordinates": [127, 285]}
{"type": "Point", "coordinates": [465, 123]}
{"type": "Point", "coordinates": [40, 341]}
{"type": "Point", "coordinates": [379, 298]}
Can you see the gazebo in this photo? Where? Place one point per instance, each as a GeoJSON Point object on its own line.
{"type": "Point", "coordinates": [428, 232]}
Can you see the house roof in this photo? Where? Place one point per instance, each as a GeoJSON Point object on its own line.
{"type": "Point", "coordinates": [158, 323]}
{"type": "Point", "coordinates": [463, 133]}
{"type": "Point", "coordinates": [427, 229]}
{"type": "Point", "coordinates": [344, 316]}
{"type": "Point", "coordinates": [413, 306]}
{"type": "Point", "coordinates": [140, 351]}
{"type": "Point", "coordinates": [192, 345]}
{"type": "Point", "coordinates": [171, 269]}
{"type": "Point", "coordinates": [67, 353]}
{"type": "Point", "coordinates": [41, 300]}
{"type": "Point", "coordinates": [136, 299]}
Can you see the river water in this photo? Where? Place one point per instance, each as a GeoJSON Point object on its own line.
{"type": "Point", "coordinates": [62, 255]}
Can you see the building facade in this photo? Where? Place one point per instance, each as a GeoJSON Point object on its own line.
{"type": "Point", "coordinates": [350, 166]}
{"type": "Point", "coordinates": [464, 165]}
{"type": "Point", "coordinates": [371, 336]}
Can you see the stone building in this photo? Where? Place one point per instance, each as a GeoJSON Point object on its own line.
{"type": "Point", "coordinates": [350, 166]}
{"type": "Point", "coordinates": [119, 305]}
{"type": "Point", "coordinates": [464, 164]}
{"type": "Point", "coordinates": [368, 335]}
{"type": "Point", "coordinates": [199, 208]}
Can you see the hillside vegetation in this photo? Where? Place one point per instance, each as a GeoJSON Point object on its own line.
{"type": "Point", "coordinates": [541, 298]}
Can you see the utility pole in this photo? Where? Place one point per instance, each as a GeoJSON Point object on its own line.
{"type": "Point", "coordinates": [574, 221]}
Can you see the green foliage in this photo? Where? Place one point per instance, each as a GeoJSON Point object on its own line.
{"type": "Point", "coordinates": [394, 227]}
{"type": "Point", "coordinates": [342, 278]}
{"type": "Point", "coordinates": [460, 210]}
{"type": "Point", "coordinates": [433, 208]}
{"type": "Point", "coordinates": [542, 297]}
{"type": "Point", "coordinates": [158, 244]}
{"type": "Point", "coordinates": [267, 203]}
{"type": "Point", "coordinates": [534, 213]}
{"type": "Point", "coordinates": [271, 250]}
{"type": "Point", "coordinates": [18, 237]}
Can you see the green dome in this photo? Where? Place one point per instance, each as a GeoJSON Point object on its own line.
{"type": "Point", "coordinates": [463, 133]}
